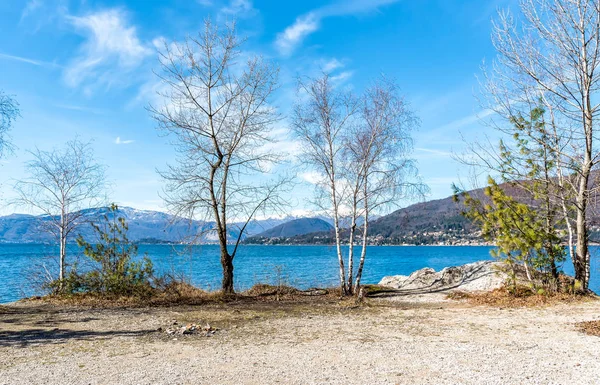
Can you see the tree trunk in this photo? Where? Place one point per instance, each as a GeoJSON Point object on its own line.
{"type": "Point", "coordinates": [554, 269]}
{"type": "Point", "coordinates": [363, 253]}
{"type": "Point", "coordinates": [227, 264]}
{"type": "Point", "coordinates": [581, 249]}
{"type": "Point", "coordinates": [581, 265]}
{"type": "Point", "coordinates": [351, 252]}
{"type": "Point", "coordinates": [569, 227]}
{"type": "Point", "coordinates": [62, 252]}
{"type": "Point", "coordinates": [336, 225]}
{"type": "Point", "coordinates": [582, 252]}
{"type": "Point", "coordinates": [527, 272]}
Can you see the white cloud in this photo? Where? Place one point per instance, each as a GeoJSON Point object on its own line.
{"type": "Point", "coordinates": [433, 151]}
{"type": "Point", "coordinates": [293, 35]}
{"type": "Point", "coordinates": [237, 7]}
{"type": "Point", "coordinates": [72, 107]}
{"type": "Point", "coordinates": [111, 47]}
{"type": "Point", "coordinates": [119, 141]}
{"type": "Point", "coordinates": [332, 65]}
{"type": "Point", "coordinates": [288, 40]}
{"type": "Point", "coordinates": [27, 60]}
{"type": "Point", "coordinates": [311, 177]}
{"type": "Point", "coordinates": [342, 77]}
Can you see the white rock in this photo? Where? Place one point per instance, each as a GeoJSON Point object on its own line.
{"type": "Point", "coordinates": [478, 276]}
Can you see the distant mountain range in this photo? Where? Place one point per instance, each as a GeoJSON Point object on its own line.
{"type": "Point", "coordinates": [296, 227]}
{"type": "Point", "coordinates": [434, 222]}
{"type": "Point", "coordinates": [145, 226]}
{"type": "Point", "coordinates": [423, 223]}
{"type": "Point", "coordinates": [428, 223]}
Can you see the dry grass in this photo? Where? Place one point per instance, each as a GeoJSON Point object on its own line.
{"type": "Point", "coordinates": [591, 327]}
{"type": "Point", "coordinates": [180, 293]}
{"type": "Point", "coordinates": [524, 297]}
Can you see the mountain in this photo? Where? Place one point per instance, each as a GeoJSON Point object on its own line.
{"type": "Point", "coordinates": [433, 222]}
{"type": "Point", "coordinates": [296, 227]}
{"type": "Point", "coordinates": [144, 225]}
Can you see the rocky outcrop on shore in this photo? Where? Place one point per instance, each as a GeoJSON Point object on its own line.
{"type": "Point", "coordinates": [472, 277]}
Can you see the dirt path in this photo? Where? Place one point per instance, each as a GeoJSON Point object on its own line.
{"type": "Point", "coordinates": [388, 342]}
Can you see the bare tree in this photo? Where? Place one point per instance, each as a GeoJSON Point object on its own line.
{"type": "Point", "coordinates": [377, 164]}
{"type": "Point", "coordinates": [9, 111]}
{"type": "Point", "coordinates": [219, 114]}
{"type": "Point", "coordinates": [551, 55]}
{"type": "Point", "coordinates": [321, 118]}
{"type": "Point", "coordinates": [61, 183]}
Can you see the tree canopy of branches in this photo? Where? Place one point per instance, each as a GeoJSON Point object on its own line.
{"type": "Point", "coordinates": [9, 111]}
{"type": "Point", "coordinates": [376, 162]}
{"type": "Point", "coordinates": [218, 111]}
{"type": "Point", "coordinates": [549, 56]}
{"type": "Point", "coordinates": [360, 147]}
{"type": "Point", "coordinates": [320, 122]}
{"type": "Point", "coordinates": [61, 183]}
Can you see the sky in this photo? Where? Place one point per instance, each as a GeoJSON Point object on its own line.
{"type": "Point", "coordinates": [84, 68]}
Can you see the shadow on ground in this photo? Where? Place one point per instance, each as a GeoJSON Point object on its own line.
{"type": "Point", "coordinates": [21, 326]}
{"type": "Point", "coordinates": [28, 337]}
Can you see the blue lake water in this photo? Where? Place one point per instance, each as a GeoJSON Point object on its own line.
{"type": "Point", "coordinates": [301, 266]}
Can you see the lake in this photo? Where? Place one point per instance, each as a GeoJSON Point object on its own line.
{"type": "Point", "coordinates": [300, 266]}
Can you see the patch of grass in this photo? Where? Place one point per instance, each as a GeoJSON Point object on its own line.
{"type": "Point", "coordinates": [590, 327]}
{"type": "Point", "coordinates": [522, 297]}
{"type": "Point", "coordinates": [264, 290]}
{"type": "Point", "coordinates": [371, 290]}
{"type": "Point", "coordinates": [175, 293]}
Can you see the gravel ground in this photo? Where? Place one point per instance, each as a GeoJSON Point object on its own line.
{"type": "Point", "coordinates": [387, 342]}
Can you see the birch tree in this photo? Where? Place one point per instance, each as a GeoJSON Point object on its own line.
{"type": "Point", "coordinates": [377, 164]}
{"type": "Point", "coordinates": [321, 118]}
{"type": "Point", "coordinates": [218, 112]}
{"type": "Point", "coordinates": [551, 53]}
{"type": "Point", "coordinates": [60, 184]}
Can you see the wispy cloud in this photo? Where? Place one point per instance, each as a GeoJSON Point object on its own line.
{"type": "Point", "coordinates": [458, 124]}
{"type": "Point", "coordinates": [311, 177]}
{"type": "Point", "coordinates": [293, 35]}
{"type": "Point", "coordinates": [233, 10]}
{"type": "Point", "coordinates": [27, 60]}
{"type": "Point", "coordinates": [71, 107]}
{"type": "Point", "coordinates": [37, 14]}
{"type": "Point", "coordinates": [120, 141]}
{"type": "Point", "coordinates": [237, 7]}
{"type": "Point", "coordinates": [331, 65]}
{"type": "Point", "coordinates": [445, 154]}
{"type": "Point", "coordinates": [304, 25]}
{"type": "Point", "coordinates": [30, 7]}
{"type": "Point", "coordinates": [341, 77]}
{"type": "Point", "coordinates": [112, 46]}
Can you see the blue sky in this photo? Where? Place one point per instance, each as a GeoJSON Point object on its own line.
{"type": "Point", "coordinates": [84, 68]}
